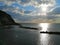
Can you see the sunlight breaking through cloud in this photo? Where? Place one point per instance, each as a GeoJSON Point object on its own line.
{"type": "Point", "coordinates": [38, 4]}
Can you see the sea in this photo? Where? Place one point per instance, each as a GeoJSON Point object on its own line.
{"type": "Point", "coordinates": [17, 35]}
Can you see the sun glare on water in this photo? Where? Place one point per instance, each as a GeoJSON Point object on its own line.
{"type": "Point", "coordinates": [44, 26]}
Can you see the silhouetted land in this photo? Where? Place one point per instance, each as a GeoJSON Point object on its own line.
{"type": "Point", "coordinates": [6, 19]}
{"type": "Point", "coordinates": [47, 32]}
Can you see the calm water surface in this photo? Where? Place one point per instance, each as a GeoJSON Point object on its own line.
{"type": "Point", "coordinates": [14, 35]}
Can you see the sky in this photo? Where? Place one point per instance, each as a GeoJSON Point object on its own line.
{"type": "Point", "coordinates": [29, 10]}
{"type": "Point", "coordinates": [58, 2]}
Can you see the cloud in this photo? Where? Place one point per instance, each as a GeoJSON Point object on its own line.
{"type": "Point", "coordinates": [24, 2]}
{"type": "Point", "coordinates": [12, 10]}
{"type": "Point", "coordinates": [35, 3]}
{"type": "Point", "coordinates": [55, 10]}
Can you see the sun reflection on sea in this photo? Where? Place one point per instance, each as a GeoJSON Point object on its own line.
{"type": "Point", "coordinates": [44, 26]}
{"type": "Point", "coordinates": [44, 38]}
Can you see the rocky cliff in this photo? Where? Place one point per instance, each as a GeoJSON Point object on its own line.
{"type": "Point", "coordinates": [6, 19]}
